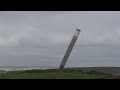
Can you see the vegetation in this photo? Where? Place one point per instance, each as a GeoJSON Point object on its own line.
{"type": "Point", "coordinates": [55, 75]}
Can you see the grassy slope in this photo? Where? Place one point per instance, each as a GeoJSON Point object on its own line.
{"type": "Point", "coordinates": [53, 75]}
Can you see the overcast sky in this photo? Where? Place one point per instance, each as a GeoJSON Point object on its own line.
{"type": "Point", "coordinates": [40, 38]}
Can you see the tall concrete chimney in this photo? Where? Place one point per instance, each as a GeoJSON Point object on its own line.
{"type": "Point", "coordinates": [71, 45]}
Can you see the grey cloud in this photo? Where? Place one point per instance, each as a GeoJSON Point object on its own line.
{"type": "Point", "coordinates": [41, 37]}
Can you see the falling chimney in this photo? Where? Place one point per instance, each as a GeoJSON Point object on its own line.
{"type": "Point", "coordinates": [71, 45]}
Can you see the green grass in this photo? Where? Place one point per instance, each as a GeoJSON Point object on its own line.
{"type": "Point", "coordinates": [54, 75]}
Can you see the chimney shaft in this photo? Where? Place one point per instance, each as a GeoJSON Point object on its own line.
{"type": "Point", "coordinates": [70, 47]}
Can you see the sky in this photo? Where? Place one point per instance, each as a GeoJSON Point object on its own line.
{"type": "Point", "coordinates": [40, 38]}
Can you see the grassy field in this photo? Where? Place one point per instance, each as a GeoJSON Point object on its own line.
{"type": "Point", "coordinates": [54, 75]}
